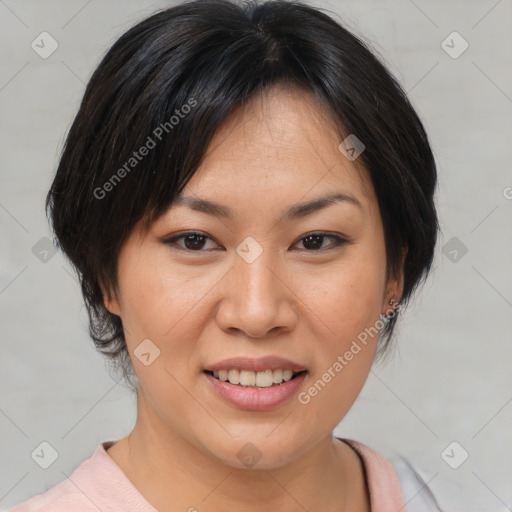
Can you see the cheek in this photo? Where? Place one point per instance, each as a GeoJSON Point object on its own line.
{"type": "Point", "coordinates": [156, 298]}
{"type": "Point", "coordinates": [349, 298]}
{"type": "Point", "coordinates": [163, 305]}
{"type": "Point", "coordinates": [170, 306]}
{"type": "Point", "coordinates": [347, 306]}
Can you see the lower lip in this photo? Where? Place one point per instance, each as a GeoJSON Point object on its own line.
{"type": "Point", "coordinates": [256, 399]}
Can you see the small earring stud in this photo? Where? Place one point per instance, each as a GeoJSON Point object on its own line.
{"type": "Point", "coordinates": [393, 302]}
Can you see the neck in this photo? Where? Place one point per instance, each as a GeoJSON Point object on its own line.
{"type": "Point", "coordinates": [173, 474]}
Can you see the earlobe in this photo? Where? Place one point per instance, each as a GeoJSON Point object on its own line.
{"type": "Point", "coordinates": [394, 291]}
{"type": "Point", "coordinates": [112, 306]}
{"type": "Point", "coordinates": [392, 305]}
{"type": "Point", "coordinates": [110, 301]}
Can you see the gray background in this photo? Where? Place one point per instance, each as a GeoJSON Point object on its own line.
{"type": "Point", "coordinates": [449, 378]}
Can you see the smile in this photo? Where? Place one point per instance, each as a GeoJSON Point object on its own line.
{"type": "Point", "coordinates": [247, 378]}
{"type": "Point", "coordinates": [263, 395]}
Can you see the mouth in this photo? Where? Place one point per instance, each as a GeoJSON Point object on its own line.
{"type": "Point", "coordinates": [256, 384]}
{"type": "Point", "coordinates": [249, 379]}
{"type": "Point", "coordinates": [250, 390]}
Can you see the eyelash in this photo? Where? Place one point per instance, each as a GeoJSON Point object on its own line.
{"type": "Point", "coordinates": [338, 240]}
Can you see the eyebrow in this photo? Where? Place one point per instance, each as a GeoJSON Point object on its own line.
{"type": "Point", "coordinates": [295, 212]}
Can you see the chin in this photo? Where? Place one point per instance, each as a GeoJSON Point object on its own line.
{"type": "Point", "coordinates": [257, 450]}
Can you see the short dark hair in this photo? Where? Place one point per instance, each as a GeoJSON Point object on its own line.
{"type": "Point", "coordinates": [170, 81]}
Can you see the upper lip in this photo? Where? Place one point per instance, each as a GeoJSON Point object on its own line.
{"type": "Point", "coordinates": [255, 364]}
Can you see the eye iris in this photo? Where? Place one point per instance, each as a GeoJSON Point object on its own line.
{"type": "Point", "coordinates": [196, 241]}
{"type": "Point", "coordinates": [315, 245]}
{"type": "Point", "coordinates": [194, 245]}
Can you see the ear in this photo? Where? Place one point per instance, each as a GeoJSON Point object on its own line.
{"type": "Point", "coordinates": [394, 289]}
{"type": "Point", "coordinates": [110, 300]}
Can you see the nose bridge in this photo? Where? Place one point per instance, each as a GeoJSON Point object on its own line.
{"type": "Point", "coordinates": [256, 300]}
{"type": "Point", "coordinates": [255, 276]}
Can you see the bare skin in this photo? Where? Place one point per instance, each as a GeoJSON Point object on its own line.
{"type": "Point", "coordinates": [203, 304]}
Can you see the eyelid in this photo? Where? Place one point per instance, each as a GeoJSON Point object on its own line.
{"type": "Point", "coordinates": [168, 240]}
{"type": "Point", "coordinates": [339, 239]}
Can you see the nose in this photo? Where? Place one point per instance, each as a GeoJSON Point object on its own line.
{"type": "Point", "coordinates": [257, 300]}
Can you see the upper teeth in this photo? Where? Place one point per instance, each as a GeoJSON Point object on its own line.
{"type": "Point", "coordinates": [261, 379]}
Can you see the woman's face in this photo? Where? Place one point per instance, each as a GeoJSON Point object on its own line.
{"type": "Point", "coordinates": [253, 294]}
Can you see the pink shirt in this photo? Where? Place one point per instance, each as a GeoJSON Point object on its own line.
{"type": "Point", "coordinates": [98, 483]}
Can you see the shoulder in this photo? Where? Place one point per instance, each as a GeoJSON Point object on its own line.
{"type": "Point", "coordinates": [395, 481]}
{"type": "Point", "coordinates": [415, 489]}
{"type": "Point", "coordinates": [98, 483]}
{"type": "Point", "coordinates": [63, 496]}
{"type": "Point", "coordinates": [76, 493]}
{"type": "Point", "coordinates": [382, 480]}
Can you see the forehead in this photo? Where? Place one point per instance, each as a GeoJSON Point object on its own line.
{"type": "Point", "coordinates": [281, 140]}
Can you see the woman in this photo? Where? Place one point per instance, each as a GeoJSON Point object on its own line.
{"type": "Point", "coordinates": [247, 197]}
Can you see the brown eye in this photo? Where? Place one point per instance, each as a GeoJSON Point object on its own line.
{"type": "Point", "coordinates": [314, 241]}
{"type": "Point", "coordinates": [191, 241]}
